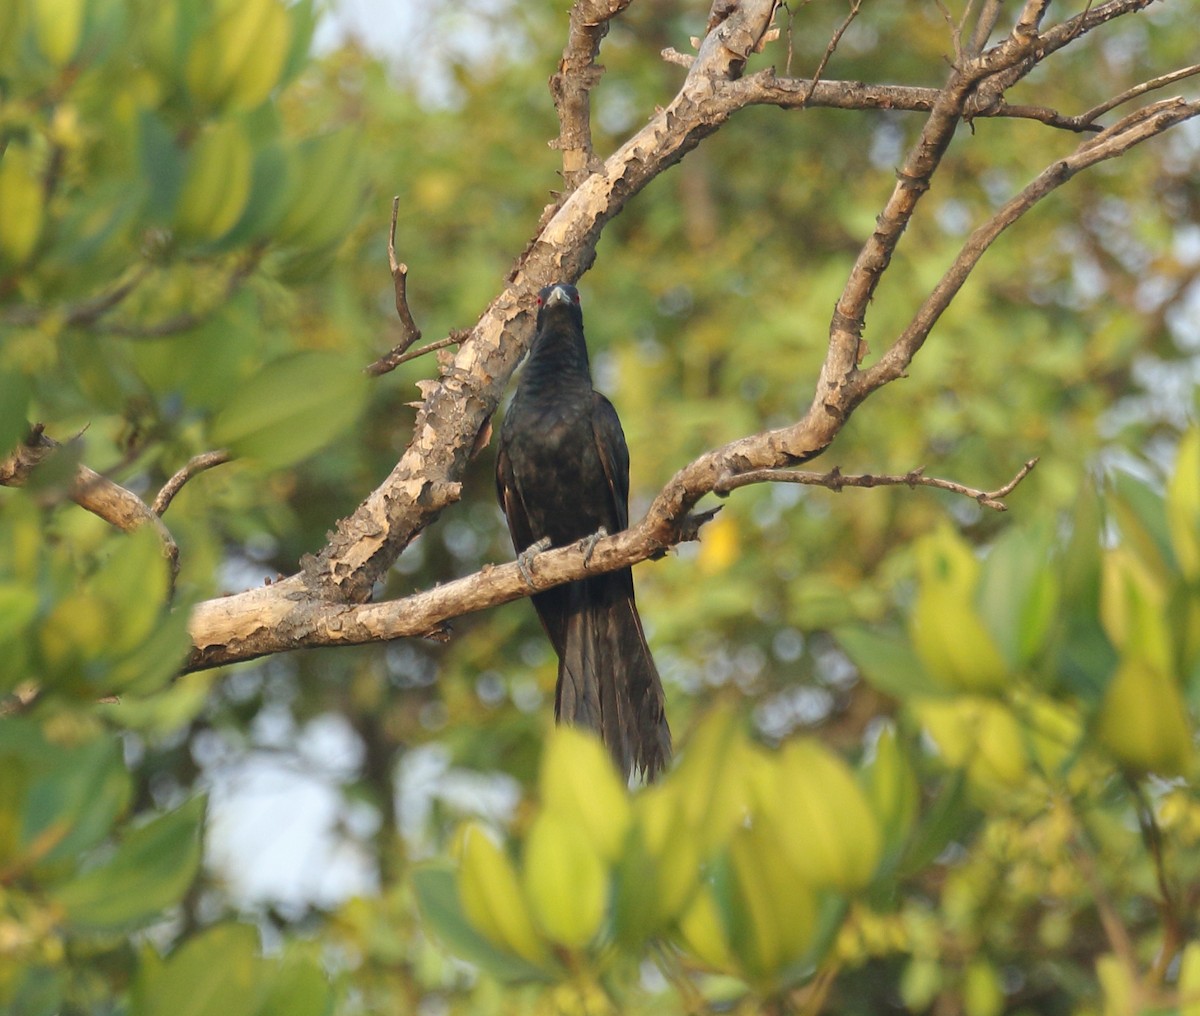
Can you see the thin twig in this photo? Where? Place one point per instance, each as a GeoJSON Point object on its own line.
{"type": "Point", "coordinates": [955, 27]}
{"type": "Point", "coordinates": [408, 327]}
{"type": "Point", "coordinates": [1132, 93]}
{"type": "Point", "coordinates": [1043, 114]}
{"type": "Point", "coordinates": [836, 480]}
{"type": "Point", "coordinates": [791, 39]}
{"type": "Point", "coordinates": [1172, 926]}
{"type": "Point", "coordinates": [196, 464]}
{"type": "Point", "coordinates": [86, 311]}
{"type": "Point", "coordinates": [671, 55]}
{"type": "Point", "coordinates": [855, 6]}
{"type": "Point", "coordinates": [398, 355]}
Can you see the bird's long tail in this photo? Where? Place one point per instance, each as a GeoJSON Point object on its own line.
{"type": "Point", "coordinates": [606, 676]}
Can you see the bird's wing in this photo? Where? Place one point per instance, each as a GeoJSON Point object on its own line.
{"type": "Point", "coordinates": [614, 458]}
{"type": "Point", "coordinates": [511, 501]}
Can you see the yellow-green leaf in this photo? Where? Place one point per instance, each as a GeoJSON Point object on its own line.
{"type": "Point", "coordinates": [492, 899]}
{"type": "Point", "coordinates": [565, 880]}
{"type": "Point", "coordinates": [579, 783]}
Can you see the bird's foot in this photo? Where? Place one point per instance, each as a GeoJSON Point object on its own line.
{"type": "Point", "coordinates": [588, 543]}
{"type": "Point", "coordinates": [525, 559]}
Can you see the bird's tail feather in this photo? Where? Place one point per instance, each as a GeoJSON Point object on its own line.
{"type": "Point", "coordinates": [606, 676]}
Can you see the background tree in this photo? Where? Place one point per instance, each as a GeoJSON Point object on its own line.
{"type": "Point", "coordinates": [193, 212]}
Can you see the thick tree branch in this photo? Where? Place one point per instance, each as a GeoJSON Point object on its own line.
{"type": "Point", "coordinates": [426, 479]}
{"type": "Point", "coordinates": [270, 625]}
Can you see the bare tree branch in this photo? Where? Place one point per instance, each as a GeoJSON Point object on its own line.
{"type": "Point", "coordinates": [1153, 84]}
{"type": "Point", "coordinates": [426, 479]}
{"type": "Point", "coordinates": [408, 327]}
{"type": "Point", "coordinates": [182, 322]}
{"type": "Point", "coordinates": [398, 355]}
{"type": "Point", "coordinates": [86, 311]}
{"type": "Point", "coordinates": [836, 481]}
{"type": "Point", "coordinates": [989, 14]}
{"type": "Point", "coordinates": [1115, 141]}
{"type": "Point", "coordinates": [323, 603]}
{"type": "Point", "coordinates": [275, 628]}
{"type": "Point", "coordinates": [195, 465]}
{"type": "Point", "coordinates": [90, 490]}
{"type": "Point", "coordinates": [855, 7]}
{"type": "Point", "coordinates": [571, 85]}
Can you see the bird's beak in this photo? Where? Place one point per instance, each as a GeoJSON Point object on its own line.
{"type": "Point", "coordinates": [557, 295]}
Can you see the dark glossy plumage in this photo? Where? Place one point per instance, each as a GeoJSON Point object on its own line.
{"type": "Point", "coordinates": [562, 472]}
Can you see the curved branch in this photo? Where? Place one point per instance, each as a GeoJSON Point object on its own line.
{"type": "Point", "coordinates": [195, 465]}
{"type": "Point", "coordinates": [1111, 143]}
{"type": "Point", "coordinates": [90, 490]}
{"type": "Point", "coordinates": [270, 624]}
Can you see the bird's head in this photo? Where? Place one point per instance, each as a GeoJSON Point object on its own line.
{"type": "Point", "coordinates": [559, 298]}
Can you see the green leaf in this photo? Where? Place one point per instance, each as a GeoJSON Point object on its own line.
{"type": "Point", "coordinates": [72, 794]}
{"type": "Point", "coordinates": [133, 582]}
{"type": "Point", "coordinates": [1141, 516]}
{"type": "Point", "coordinates": [887, 661]}
{"type": "Point", "coordinates": [163, 165]}
{"type": "Point", "coordinates": [151, 870]}
{"type": "Point", "coordinates": [437, 897]}
{"type": "Point", "coordinates": [565, 880]}
{"type": "Point", "coordinates": [292, 407]}
{"type": "Point", "coordinates": [217, 973]}
{"type": "Point", "coordinates": [1018, 592]}
{"type": "Point", "coordinates": [271, 187]}
{"type": "Point", "coordinates": [1183, 505]}
{"type": "Point", "coordinates": [18, 607]}
{"type": "Point", "coordinates": [947, 819]}
{"type": "Point", "coordinates": [38, 992]}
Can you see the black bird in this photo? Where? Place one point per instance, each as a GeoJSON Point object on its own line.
{"type": "Point", "coordinates": [562, 475]}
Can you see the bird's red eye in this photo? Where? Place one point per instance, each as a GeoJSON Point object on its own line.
{"type": "Point", "coordinates": [575, 298]}
{"type": "Point", "coordinates": [539, 301]}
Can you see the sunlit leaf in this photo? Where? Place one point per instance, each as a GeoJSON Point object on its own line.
{"type": "Point", "coordinates": [292, 407]}
{"type": "Point", "coordinates": [215, 973]}
{"type": "Point", "coordinates": [437, 896]}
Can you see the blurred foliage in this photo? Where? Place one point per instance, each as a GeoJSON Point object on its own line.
{"type": "Point", "coordinates": [930, 756]}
